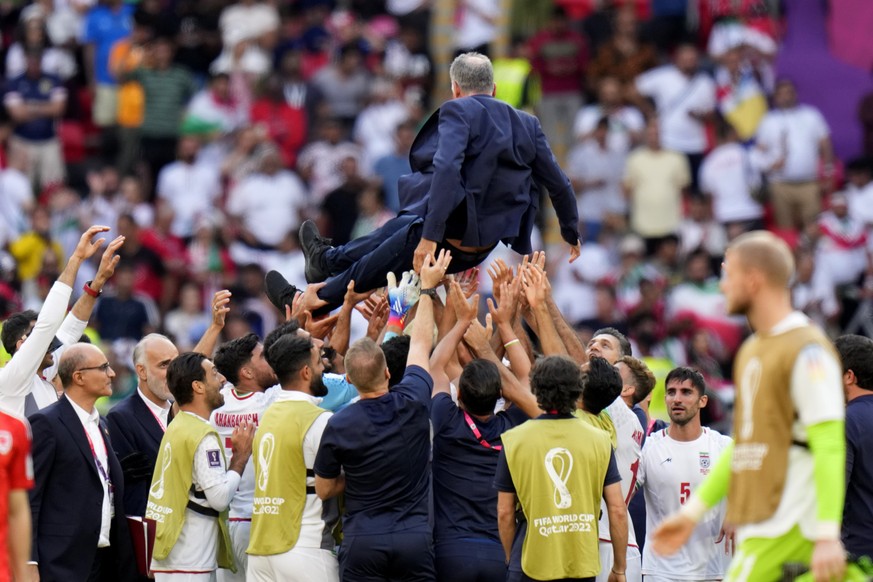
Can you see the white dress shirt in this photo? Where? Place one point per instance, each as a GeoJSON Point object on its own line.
{"type": "Point", "coordinates": [91, 422]}
{"type": "Point", "coordinates": [162, 414]}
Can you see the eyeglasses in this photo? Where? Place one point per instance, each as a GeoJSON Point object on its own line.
{"type": "Point", "coordinates": [102, 367]}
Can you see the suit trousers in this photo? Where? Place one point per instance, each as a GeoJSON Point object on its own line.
{"type": "Point", "coordinates": [367, 260]}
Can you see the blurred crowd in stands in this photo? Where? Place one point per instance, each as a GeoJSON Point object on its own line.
{"type": "Point", "coordinates": [206, 131]}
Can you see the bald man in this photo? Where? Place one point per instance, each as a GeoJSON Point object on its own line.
{"type": "Point", "coordinates": [784, 479]}
{"type": "Point", "coordinates": [137, 423]}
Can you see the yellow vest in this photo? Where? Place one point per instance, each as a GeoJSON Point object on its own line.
{"type": "Point", "coordinates": [510, 76]}
{"type": "Point", "coordinates": [602, 421]}
{"type": "Point", "coordinates": [280, 476]}
{"type": "Point", "coordinates": [763, 419]}
{"type": "Point", "coordinates": [168, 495]}
{"type": "Point", "coordinates": [558, 468]}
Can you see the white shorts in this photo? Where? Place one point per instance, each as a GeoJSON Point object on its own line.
{"type": "Point", "coordinates": [182, 577]}
{"type": "Point", "coordinates": [634, 572]}
{"type": "Point", "coordinates": [295, 565]}
{"type": "Point", "coordinates": [239, 540]}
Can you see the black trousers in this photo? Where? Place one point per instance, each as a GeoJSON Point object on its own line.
{"type": "Point", "coordinates": [367, 260]}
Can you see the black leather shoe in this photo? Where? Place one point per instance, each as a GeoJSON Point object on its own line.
{"type": "Point", "coordinates": [314, 245]}
{"type": "Point", "coordinates": [279, 291]}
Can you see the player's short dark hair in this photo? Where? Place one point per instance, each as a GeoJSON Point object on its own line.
{"type": "Point", "coordinates": [396, 352]}
{"type": "Point", "coordinates": [183, 371]}
{"type": "Point", "coordinates": [287, 328]}
{"type": "Point", "coordinates": [683, 373]}
{"type": "Point", "coordinates": [623, 342]}
{"type": "Point", "coordinates": [856, 354]}
{"type": "Point", "coordinates": [601, 385]}
{"type": "Point", "coordinates": [15, 327]}
{"type": "Point", "coordinates": [479, 387]}
{"type": "Point", "coordinates": [288, 355]}
{"type": "Point", "coordinates": [556, 382]}
{"type": "Point", "coordinates": [231, 356]}
{"type": "Point", "coordinates": [642, 377]}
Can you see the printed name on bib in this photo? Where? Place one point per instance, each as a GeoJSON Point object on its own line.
{"type": "Point", "coordinates": [228, 420]}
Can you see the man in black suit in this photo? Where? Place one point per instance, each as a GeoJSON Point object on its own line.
{"type": "Point", "coordinates": [477, 167]}
{"type": "Point", "coordinates": [79, 528]}
{"type": "Point", "coordinates": [137, 423]}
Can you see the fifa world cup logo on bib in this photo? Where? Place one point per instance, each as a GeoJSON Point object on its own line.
{"type": "Point", "coordinates": [265, 454]}
{"type": "Point", "coordinates": [157, 489]}
{"type": "Point", "coordinates": [750, 382]}
{"type": "Point", "coordinates": [559, 463]}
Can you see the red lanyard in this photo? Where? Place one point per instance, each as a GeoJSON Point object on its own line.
{"type": "Point", "coordinates": [100, 468]}
{"type": "Point", "coordinates": [478, 435]}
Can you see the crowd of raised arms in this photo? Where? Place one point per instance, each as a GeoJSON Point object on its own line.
{"type": "Point", "coordinates": [408, 454]}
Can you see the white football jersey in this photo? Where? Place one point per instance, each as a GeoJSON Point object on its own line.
{"type": "Point", "coordinates": [238, 407]}
{"type": "Point", "coordinates": [629, 433]}
{"type": "Point", "coordinates": [670, 471]}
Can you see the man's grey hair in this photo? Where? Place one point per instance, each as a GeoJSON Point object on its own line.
{"type": "Point", "coordinates": [472, 73]}
{"type": "Point", "coordinates": [140, 349]}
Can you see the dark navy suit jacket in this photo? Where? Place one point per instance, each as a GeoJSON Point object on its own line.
{"type": "Point", "coordinates": [67, 500]}
{"type": "Point", "coordinates": [134, 429]}
{"type": "Point", "coordinates": [478, 164]}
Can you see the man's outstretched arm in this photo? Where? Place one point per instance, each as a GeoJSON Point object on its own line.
{"type": "Point", "coordinates": [547, 172]}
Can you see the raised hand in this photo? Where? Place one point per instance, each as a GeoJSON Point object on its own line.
{"type": "Point", "coordinates": [378, 319]}
{"type": "Point", "coordinates": [320, 328]}
{"type": "Point", "coordinates": [220, 307]}
{"type": "Point", "coordinates": [464, 311]}
{"type": "Point", "coordinates": [478, 336]}
{"type": "Point", "coordinates": [469, 282]}
{"type": "Point", "coordinates": [86, 249]}
{"type": "Point", "coordinates": [503, 312]}
{"type": "Point", "coordinates": [402, 297]}
{"type": "Point", "coordinates": [500, 273]}
{"type": "Point", "coordinates": [108, 262]}
{"type": "Point", "coordinates": [534, 283]}
{"type": "Point", "coordinates": [432, 272]}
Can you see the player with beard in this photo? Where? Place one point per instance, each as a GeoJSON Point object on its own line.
{"type": "Point", "coordinates": [675, 461]}
{"type": "Point", "coordinates": [785, 477]}
{"type": "Point", "coordinates": [243, 364]}
{"type": "Point", "coordinates": [193, 484]}
{"type": "Point", "coordinates": [291, 527]}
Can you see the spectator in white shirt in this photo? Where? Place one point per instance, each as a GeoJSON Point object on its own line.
{"type": "Point", "coordinates": [268, 204]}
{"type": "Point", "coordinates": [375, 127]}
{"type": "Point", "coordinates": [16, 197]}
{"type": "Point", "coordinates": [684, 99]}
{"type": "Point", "coordinates": [859, 189]}
{"type": "Point", "coordinates": [728, 177]}
{"type": "Point", "coordinates": [792, 140]}
{"type": "Point", "coordinates": [344, 85]}
{"type": "Point", "coordinates": [626, 123]}
{"type": "Point", "coordinates": [476, 25]}
{"type": "Point", "coordinates": [812, 291]}
{"type": "Point", "coordinates": [319, 162]}
{"type": "Point", "coordinates": [596, 169]}
{"type": "Point", "coordinates": [188, 188]}
{"type": "Point", "coordinates": [842, 244]}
